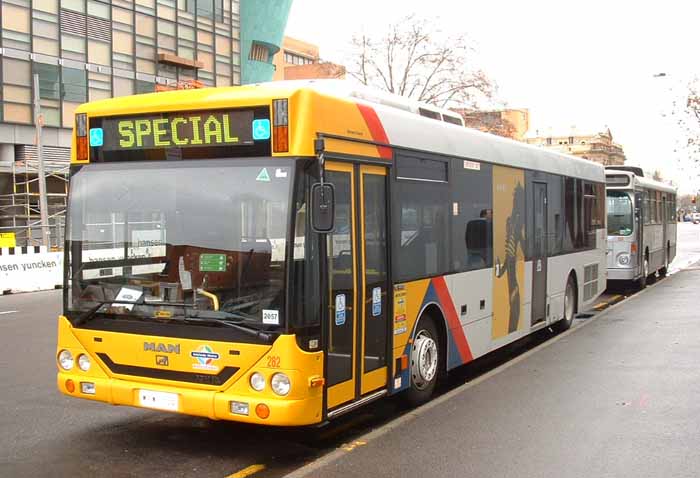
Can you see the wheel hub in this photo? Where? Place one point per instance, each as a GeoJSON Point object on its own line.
{"type": "Point", "coordinates": [424, 360]}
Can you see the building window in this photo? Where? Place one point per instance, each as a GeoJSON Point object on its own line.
{"type": "Point", "coordinates": [549, 141]}
{"type": "Point", "coordinates": [74, 84]}
{"type": "Point", "coordinates": [144, 87]}
{"type": "Point", "coordinates": [48, 81]}
{"type": "Point", "coordinates": [259, 52]}
{"type": "Point", "coordinates": [571, 140]}
{"type": "Point", "coordinates": [294, 59]}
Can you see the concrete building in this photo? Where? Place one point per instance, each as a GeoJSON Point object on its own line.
{"type": "Point", "coordinates": [85, 50]}
{"type": "Point", "coordinates": [299, 60]}
{"type": "Point", "coordinates": [510, 123]}
{"type": "Point", "coordinates": [598, 147]}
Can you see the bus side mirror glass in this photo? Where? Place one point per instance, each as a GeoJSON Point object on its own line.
{"type": "Point", "coordinates": [322, 207]}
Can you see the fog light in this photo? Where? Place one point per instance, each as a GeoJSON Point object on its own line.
{"type": "Point", "coordinates": [84, 362]}
{"type": "Point", "coordinates": [88, 388]}
{"type": "Point", "coordinates": [257, 381]}
{"type": "Point", "coordinates": [281, 384]}
{"type": "Point", "coordinates": [65, 360]}
{"type": "Point", "coordinates": [262, 410]}
{"type": "Point", "coordinates": [239, 408]}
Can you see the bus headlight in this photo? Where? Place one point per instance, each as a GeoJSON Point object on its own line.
{"type": "Point", "coordinates": [281, 384]}
{"type": "Point", "coordinates": [623, 258]}
{"type": "Point", "coordinates": [84, 362]}
{"type": "Point", "coordinates": [257, 381]}
{"type": "Point", "coordinates": [65, 360]}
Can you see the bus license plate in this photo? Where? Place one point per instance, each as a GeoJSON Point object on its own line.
{"type": "Point", "coordinates": [159, 400]}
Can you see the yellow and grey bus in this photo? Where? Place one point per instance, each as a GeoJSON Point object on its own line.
{"type": "Point", "coordinates": [284, 253]}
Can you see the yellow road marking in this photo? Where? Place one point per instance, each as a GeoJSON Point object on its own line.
{"type": "Point", "coordinates": [353, 445]}
{"type": "Point", "coordinates": [247, 471]}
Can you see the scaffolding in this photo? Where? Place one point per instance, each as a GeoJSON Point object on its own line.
{"type": "Point", "coordinates": [20, 209]}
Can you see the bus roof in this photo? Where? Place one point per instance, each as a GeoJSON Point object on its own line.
{"type": "Point", "coordinates": [402, 122]}
{"type": "Point", "coordinates": [640, 181]}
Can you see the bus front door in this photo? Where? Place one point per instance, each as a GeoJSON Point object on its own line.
{"type": "Point", "coordinates": [639, 231]}
{"type": "Point", "coordinates": [357, 337]}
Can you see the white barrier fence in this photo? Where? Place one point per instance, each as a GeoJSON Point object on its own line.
{"type": "Point", "coordinates": [26, 269]}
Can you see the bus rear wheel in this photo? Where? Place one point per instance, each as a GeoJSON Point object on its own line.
{"type": "Point", "coordinates": [664, 270]}
{"type": "Point", "coordinates": [569, 305]}
{"type": "Point", "coordinates": [425, 362]}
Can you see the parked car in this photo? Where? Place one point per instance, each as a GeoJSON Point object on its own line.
{"type": "Point", "coordinates": [696, 218]}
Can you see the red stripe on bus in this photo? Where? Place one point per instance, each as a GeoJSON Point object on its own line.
{"type": "Point", "coordinates": [376, 129]}
{"type": "Point", "coordinates": [448, 308]}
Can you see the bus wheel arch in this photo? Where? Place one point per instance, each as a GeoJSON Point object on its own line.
{"type": "Point", "coordinates": [428, 356]}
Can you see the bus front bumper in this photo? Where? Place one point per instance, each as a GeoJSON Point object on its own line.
{"type": "Point", "coordinates": [621, 274]}
{"type": "Point", "coordinates": [216, 405]}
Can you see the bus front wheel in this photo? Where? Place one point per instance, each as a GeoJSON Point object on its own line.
{"type": "Point", "coordinates": [425, 362]}
{"type": "Point", "coordinates": [642, 282]}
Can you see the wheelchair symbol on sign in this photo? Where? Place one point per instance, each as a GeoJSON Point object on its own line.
{"type": "Point", "coordinates": [261, 129]}
{"type": "Point", "coordinates": [96, 137]}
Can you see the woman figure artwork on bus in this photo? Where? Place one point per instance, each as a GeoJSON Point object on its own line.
{"type": "Point", "coordinates": [515, 238]}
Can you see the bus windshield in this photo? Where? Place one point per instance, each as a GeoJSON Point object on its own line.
{"type": "Point", "coordinates": [620, 217]}
{"type": "Point", "coordinates": [170, 239]}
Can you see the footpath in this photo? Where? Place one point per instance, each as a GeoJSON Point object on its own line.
{"type": "Point", "coordinates": [616, 397]}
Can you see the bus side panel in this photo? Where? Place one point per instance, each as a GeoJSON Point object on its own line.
{"type": "Point", "coordinates": [671, 227]}
{"type": "Point", "coordinates": [471, 293]}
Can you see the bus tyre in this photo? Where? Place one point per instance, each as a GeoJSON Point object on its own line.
{"type": "Point", "coordinates": [664, 270]}
{"type": "Point", "coordinates": [425, 362]}
{"type": "Point", "coordinates": [642, 282]}
{"type": "Point", "coordinates": [569, 305]}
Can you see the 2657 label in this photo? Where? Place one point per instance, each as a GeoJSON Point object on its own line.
{"type": "Point", "coordinates": [270, 317]}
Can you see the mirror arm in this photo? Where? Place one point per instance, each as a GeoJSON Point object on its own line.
{"type": "Point", "coordinates": [319, 148]}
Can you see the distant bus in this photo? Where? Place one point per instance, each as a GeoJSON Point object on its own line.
{"type": "Point", "coordinates": [284, 253]}
{"type": "Point", "coordinates": [641, 226]}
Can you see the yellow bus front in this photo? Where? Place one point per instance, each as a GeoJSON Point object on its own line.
{"type": "Point", "coordinates": [184, 239]}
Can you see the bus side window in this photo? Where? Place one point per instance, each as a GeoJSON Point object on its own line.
{"type": "Point", "coordinates": [471, 193]}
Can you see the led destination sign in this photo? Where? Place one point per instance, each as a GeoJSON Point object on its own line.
{"type": "Point", "coordinates": [179, 130]}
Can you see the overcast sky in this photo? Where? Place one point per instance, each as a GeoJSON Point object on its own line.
{"type": "Point", "coordinates": [588, 64]}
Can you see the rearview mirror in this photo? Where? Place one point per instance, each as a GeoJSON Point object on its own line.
{"type": "Point", "coordinates": [322, 207]}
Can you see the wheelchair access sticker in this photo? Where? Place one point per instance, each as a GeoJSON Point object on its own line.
{"type": "Point", "coordinates": [340, 309]}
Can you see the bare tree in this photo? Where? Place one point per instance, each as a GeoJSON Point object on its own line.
{"type": "Point", "coordinates": [687, 115]}
{"type": "Point", "coordinates": [413, 59]}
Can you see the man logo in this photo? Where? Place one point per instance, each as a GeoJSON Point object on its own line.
{"type": "Point", "coordinates": [162, 360]}
{"type": "Point", "coordinates": [161, 348]}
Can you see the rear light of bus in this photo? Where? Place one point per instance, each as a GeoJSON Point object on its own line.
{"type": "Point", "coordinates": [280, 126]}
{"type": "Point", "coordinates": [81, 134]}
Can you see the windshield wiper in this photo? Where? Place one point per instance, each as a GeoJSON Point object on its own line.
{"type": "Point", "coordinates": [213, 317]}
{"type": "Point", "coordinates": [234, 321]}
{"type": "Point", "coordinates": [90, 313]}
